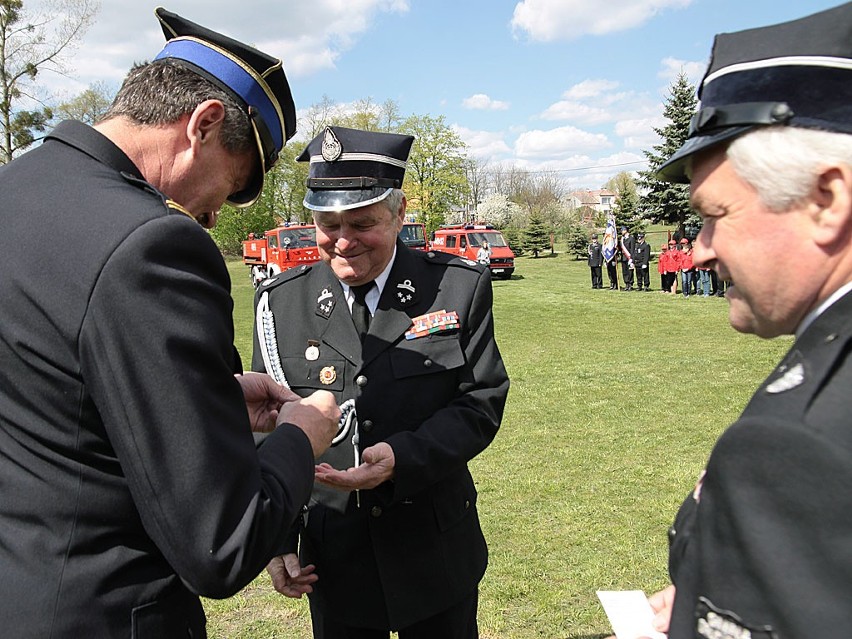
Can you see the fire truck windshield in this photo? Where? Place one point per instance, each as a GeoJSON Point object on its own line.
{"type": "Point", "coordinates": [493, 238]}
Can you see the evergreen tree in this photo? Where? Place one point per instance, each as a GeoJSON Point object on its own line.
{"type": "Point", "coordinates": [537, 235]}
{"type": "Point", "coordinates": [577, 238]}
{"type": "Point", "coordinates": [663, 202]}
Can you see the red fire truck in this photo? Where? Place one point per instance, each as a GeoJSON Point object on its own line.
{"type": "Point", "coordinates": [413, 235]}
{"type": "Point", "coordinates": [465, 239]}
{"type": "Point", "coordinates": [279, 249]}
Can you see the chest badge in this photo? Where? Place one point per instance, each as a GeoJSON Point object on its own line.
{"type": "Point", "coordinates": [328, 375]}
{"type": "Point", "coordinates": [312, 352]}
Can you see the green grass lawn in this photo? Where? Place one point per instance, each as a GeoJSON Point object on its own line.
{"type": "Point", "coordinates": [615, 403]}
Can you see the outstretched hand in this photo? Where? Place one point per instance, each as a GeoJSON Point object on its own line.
{"type": "Point", "coordinates": [377, 466]}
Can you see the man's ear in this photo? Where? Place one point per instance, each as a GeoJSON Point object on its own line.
{"type": "Point", "coordinates": [832, 205]}
{"type": "Point", "coordinates": [204, 123]}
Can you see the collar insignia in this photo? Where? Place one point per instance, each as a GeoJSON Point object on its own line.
{"type": "Point", "coordinates": [791, 378]}
{"type": "Point", "coordinates": [325, 303]}
{"type": "Point", "coordinates": [331, 147]}
{"type": "Point", "coordinates": [406, 293]}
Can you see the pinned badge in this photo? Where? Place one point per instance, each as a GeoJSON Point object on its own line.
{"type": "Point", "coordinates": [312, 351]}
{"type": "Point", "coordinates": [325, 303]}
{"type": "Point", "coordinates": [791, 378]}
{"type": "Point", "coordinates": [328, 375]}
{"type": "Point", "coordinates": [405, 291]}
{"type": "Point", "coordinates": [331, 147]}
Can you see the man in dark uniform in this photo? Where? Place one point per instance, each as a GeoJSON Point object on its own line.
{"type": "Point", "coordinates": [642, 262]}
{"type": "Point", "coordinates": [408, 336]}
{"type": "Point", "coordinates": [596, 262]}
{"type": "Point", "coordinates": [626, 246]}
{"type": "Point", "coordinates": [130, 479]}
{"type": "Point", "coordinates": [763, 546]}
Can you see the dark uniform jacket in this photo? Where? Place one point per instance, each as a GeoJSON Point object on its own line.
{"type": "Point", "coordinates": [595, 254]}
{"type": "Point", "coordinates": [129, 480]}
{"type": "Point", "coordinates": [764, 544]}
{"type": "Point", "coordinates": [414, 545]}
{"type": "Point", "coordinates": [642, 254]}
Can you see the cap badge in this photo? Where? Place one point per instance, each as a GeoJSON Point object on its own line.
{"type": "Point", "coordinates": [331, 147]}
{"type": "Point", "coordinates": [328, 375]}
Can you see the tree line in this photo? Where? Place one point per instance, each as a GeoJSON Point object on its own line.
{"type": "Point", "coordinates": [444, 182]}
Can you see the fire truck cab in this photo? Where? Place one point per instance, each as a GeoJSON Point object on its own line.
{"type": "Point", "coordinates": [466, 239]}
{"type": "Point", "coordinates": [413, 235]}
{"type": "Point", "coordinates": [280, 249]}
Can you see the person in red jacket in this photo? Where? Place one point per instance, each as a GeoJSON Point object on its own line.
{"type": "Point", "coordinates": [687, 267]}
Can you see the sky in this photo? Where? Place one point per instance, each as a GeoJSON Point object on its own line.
{"type": "Point", "coordinates": [574, 87]}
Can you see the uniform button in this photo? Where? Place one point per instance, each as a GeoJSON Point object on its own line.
{"type": "Point", "coordinates": [367, 425]}
{"type": "Point", "coordinates": [427, 363]}
{"type": "Point", "coordinates": [376, 511]}
{"type": "Point", "coordinates": [672, 534]}
{"type": "Point", "coordinates": [361, 380]}
{"type": "Point", "coordinates": [430, 254]}
{"type": "Point", "coordinates": [466, 504]}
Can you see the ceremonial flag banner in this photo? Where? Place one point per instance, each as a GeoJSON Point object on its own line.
{"type": "Point", "coordinates": [609, 242]}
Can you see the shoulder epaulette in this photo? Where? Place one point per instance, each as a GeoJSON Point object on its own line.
{"type": "Point", "coordinates": [282, 278]}
{"type": "Point", "coordinates": [439, 257]}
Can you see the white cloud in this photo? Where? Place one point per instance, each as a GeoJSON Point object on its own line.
{"type": "Point", "coordinates": [307, 36]}
{"type": "Point", "coordinates": [482, 102]}
{"type": "Point", "coordinates": [560, 142]}
{"type": "Point", "coordinates": [672, 67]}
{"type": "Point", "coordinates": [590, 89]}
{"type": "Point", "coordinates": [639, 133]}
{"type": "Point", "coordinates": [483, 144]}
{"type": "Point", "coordinates": [548, 20]}
{"type": "Point", "coordinates": [576, 112]}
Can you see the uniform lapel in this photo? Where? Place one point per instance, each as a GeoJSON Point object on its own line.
{"type": "Point", "coordinates": [401, 295]}
{"type": "Point", "coordinates": [332, 314]}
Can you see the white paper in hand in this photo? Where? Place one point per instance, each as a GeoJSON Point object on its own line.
{"type": "Point", "coordinates": [630, 614]}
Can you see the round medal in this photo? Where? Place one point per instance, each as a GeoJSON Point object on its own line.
{"type": "Point", "coordinates": [312, 353]}
{"type": "Point", "coordinates": [328, 375]}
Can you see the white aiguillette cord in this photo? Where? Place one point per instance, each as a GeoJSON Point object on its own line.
{"type": "Point", "coordinates": [269, 352]}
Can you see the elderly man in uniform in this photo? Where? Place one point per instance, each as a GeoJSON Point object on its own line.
{"type": "Point", "coordinates": [408, 337]}
{"type": "Point", "coordinates": [762, 547]}
{"type": "Point", "coordinates": [130, 479]}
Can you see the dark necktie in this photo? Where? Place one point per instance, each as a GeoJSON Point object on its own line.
{"type": "Point", "coordinates": [360, 312]}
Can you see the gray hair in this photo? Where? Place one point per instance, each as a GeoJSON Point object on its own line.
{"type": "Point", "coordinates": [394, 200]}
{"type": "Point", "coordinates": [783, 163]}
{"type": "Point", "coordinates": [162, 92]}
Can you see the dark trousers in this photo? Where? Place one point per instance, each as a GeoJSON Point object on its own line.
{"type": "Point", "coordinates": [612, 274]}
{"type": "Point", "coordinates": [597, 276]}
{"type": "Point", "coordinates": [643, 277]}
{"type": "Point", "coordinates": [627, 273]}
{"type": "Point", "coordinates": [458, 622]}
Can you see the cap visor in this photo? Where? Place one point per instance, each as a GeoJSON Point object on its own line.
{"type": "Point", "coordinates": [674, 169]}
{"type": "Point", "coordinates": [332, 200]}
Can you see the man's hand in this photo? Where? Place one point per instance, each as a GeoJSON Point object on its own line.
{"type": "Point", "coordinates": [264, 397]}
{"type": "Point", "coordinates": [317, 415]}
{"type": "Point", "coordinates": [290, 578]}
{"type": "Point", "coordinates": [662, 603]}
{"type": "Point", "coordinates": [377, 466]}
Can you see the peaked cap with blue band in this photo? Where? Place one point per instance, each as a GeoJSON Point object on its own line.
{"type": "Point", "coordinates": [351, 168]}
{"type": "Point", "coordinates": [254, 78]}
{"type": "Point", "coordinates": [797, 73]}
